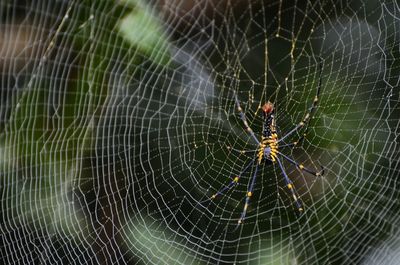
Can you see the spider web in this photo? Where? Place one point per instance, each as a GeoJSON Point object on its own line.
{"type": "Point", "coordinates": [117, 121]}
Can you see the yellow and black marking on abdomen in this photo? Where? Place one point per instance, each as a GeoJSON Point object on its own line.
{"type": "Point", "coordinates": [272, 143]}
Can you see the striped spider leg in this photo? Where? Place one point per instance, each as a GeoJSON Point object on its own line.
{"type": "Point", "coordinates": [267, 151]}
{"type": "Point", "coordinates": [311, 111]}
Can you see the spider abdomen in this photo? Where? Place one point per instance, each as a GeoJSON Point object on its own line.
{"type": "Point", "coordinates": [268, 148]}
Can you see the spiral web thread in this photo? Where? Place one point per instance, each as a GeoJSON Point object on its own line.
{"type": "Point", "coordinates": [118, 121]}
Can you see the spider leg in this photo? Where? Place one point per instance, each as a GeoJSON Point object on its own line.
{"type": "Point", "coordinates": [248, 195]}
{"type": "Point", "coordinates": [287, 145]}
{"type": "Point", "coordinates": [243, 152]}
{"type": "Point", "coordinates": [240, 151]}
{"type": "Point", "coordinates": [314, 105]}
{"type": "Point", "coordinates": [290, 186]}
{"type": "Point", "coordinates": [303, 168]}
{"type": "Point", "coordinates": [309, 115]}
{"type": "Point", "coordinates": [234, 181]}
{"type": "Point", "coordinates": [244, 119]}
{"type": "Point", "coordinates": [295, 129]}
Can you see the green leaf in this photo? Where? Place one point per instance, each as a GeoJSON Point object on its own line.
{"type": "Point", "coordinates": [142, 29]}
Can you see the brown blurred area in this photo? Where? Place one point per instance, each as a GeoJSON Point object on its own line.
{"type": "Point", "coordinates": [16, 46]}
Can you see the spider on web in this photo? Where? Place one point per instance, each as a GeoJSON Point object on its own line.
{"type": "Point", "coordinates": [268, 149]}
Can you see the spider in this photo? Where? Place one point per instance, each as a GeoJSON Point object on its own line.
{"type": "Point", "coordinates": [268, 149]}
